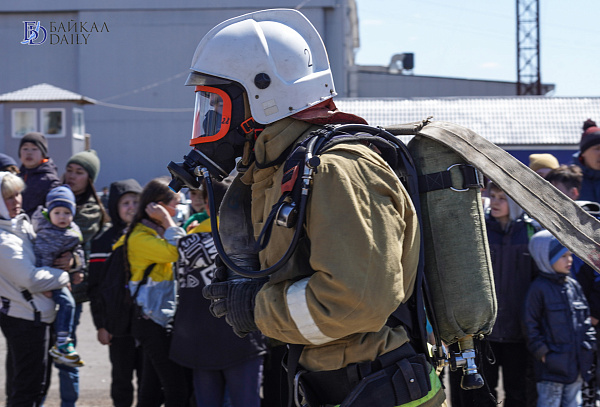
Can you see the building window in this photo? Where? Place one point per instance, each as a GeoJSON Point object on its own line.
{"type": "Point", "coordinates": [52, 122]}
{"type": "Point", "coordinates": [23, 122]}
{"type": "Point", "coordinates": [78, 124]}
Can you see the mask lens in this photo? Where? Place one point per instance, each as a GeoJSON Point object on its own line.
{"type": "Point", "coordinates": [212, 115]}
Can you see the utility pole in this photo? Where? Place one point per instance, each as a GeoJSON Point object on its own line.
{"type": "Point", "coordinates": [529, 81]}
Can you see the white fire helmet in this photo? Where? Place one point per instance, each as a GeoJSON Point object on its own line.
{"type": "Point", "coordinates": [276, 55]}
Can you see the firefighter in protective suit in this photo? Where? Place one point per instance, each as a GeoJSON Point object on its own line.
{"type": "Point", "coordinates": [263, 84]}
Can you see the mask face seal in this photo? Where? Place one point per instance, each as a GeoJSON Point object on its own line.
{"type": "Point", "coordinates": [218, 136]}
{"type": "Point", "coordinates": [212, 115]}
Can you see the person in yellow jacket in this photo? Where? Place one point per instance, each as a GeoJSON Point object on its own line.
{"type": "Point", "coordinates": [266, 75]}
{"type": "Point", "coordinates": [152, 240]}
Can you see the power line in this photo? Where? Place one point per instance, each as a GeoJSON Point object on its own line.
{"type": "Point", "coordinates": [146, 87]}
{"type": "Point", "coordinates": [145, 109]}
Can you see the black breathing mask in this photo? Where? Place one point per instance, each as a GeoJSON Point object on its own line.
{"type": "Point", "coordinates": [218, 135]}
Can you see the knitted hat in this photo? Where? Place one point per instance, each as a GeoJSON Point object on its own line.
{"type": "Point", "coordinates": [61, 196]}
{"type": "Point", "coordinates": [6, 161]}
{"type": "Point", "coordinates": [89, 161]}
{"type": "Point", "coordinates": [539, 161]}
{"type": "Point", "coordinates": [38, 139]}
{"type": "Point", "coordinates": [590, 136]}
{"type": "Point", "coordinates": [555, 251]}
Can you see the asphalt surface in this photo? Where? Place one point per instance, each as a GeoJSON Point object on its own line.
{"type": "Point", "coordinates": [94, 377]}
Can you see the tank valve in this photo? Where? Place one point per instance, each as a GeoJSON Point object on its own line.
{"type": "Point", "coordinates": [465, 358]}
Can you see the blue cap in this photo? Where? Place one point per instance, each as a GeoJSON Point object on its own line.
{"type": "Point", "coordinates": [556, 250]}
{"type": "Point", "coordinates": [61, 196]}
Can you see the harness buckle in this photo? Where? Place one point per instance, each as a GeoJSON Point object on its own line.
{"type": "Point", "coordinates": [249, 125]}
{"type": "Point", "coordinates": [471, 177]}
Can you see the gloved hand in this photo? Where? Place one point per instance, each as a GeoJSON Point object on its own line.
{"type": "Point", "coordinates": [221, 271]}
{"type": "Point", "coordinates": [234, 299]}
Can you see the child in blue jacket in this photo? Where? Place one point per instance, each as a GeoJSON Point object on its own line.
{"type": "Point", "coordinates": [558, 325]}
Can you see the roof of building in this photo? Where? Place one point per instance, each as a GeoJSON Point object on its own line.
{"type": "Point", "coordinates": [44, 92]}
{"type": "Point", "coordinates": [522, 120]}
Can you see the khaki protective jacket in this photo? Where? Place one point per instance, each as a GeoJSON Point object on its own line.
{"type": "Point", "coordinates": [357, 263]}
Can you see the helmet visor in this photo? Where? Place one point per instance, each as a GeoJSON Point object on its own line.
{"type": "Point", "coordinates": [212, 115]}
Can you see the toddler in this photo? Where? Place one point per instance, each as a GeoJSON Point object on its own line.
{"type": "Point", "coordinates": [57, 234]}
{"type": "Point", "coordinates": [558, 326]}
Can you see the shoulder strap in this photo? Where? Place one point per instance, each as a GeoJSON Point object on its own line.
{"type": "Point", "coordinates": [37, 315]}
{"type": "Point", "coordinates": [572, 226]}
{"type": "Point", "coordinates": [144, 280]}
{"type": "Point", "coordinates": [147, 271]}
{"type": "Point", "coordinates": [411, 313]}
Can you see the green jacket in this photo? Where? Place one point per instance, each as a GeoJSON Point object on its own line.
{"type": "Point", "coordinates": [357, 264]}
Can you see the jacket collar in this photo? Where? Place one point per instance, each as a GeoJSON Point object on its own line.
{"type": "Point", "coordinates": [559, 278]}
{"type": "Point", "coordinates": [277, 137]}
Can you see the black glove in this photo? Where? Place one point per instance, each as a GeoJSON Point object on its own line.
{"type": "Point", "coordinates": [234, 299]}
{"type": "Point", "coordinates": [245, 261]}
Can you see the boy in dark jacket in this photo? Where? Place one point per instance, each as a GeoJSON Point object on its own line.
{"type": "Point", "coordinates": [558, 326]}
{"type": "Point", "coordinates": [37, 170]}
{"type": "Point", "coordinates": [125, 355]}
{"type": "Point", "coordinates": [57, 234]}
{"type": "Point", "coordinates": [508, 231]}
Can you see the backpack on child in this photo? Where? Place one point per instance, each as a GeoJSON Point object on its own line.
{"type": "Point", "coordinates": [114, 294]}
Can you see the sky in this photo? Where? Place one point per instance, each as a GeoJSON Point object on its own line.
{"type": "Point", "coordinates": [476, 39]}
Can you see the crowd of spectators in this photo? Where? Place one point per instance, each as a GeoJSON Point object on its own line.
{"type": "Point", "coordinates": [182, 356]}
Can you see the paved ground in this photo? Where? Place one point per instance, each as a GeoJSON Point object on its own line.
{"type": "Point", "coordinates": [94, 376]}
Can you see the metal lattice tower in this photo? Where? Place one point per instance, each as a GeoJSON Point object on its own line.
{"type": "Point", "coordinates": [528, 48]}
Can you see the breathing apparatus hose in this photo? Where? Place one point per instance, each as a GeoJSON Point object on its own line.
{"type": "Point", "coordinates": [307, 178]}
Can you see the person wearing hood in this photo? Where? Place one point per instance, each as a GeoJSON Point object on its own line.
{"type": "Point", "coordinates": [37, 170]}
{"type": "Point", "coordinates": [588, 158]}
{"type": "Point", "coordinates": [508, 232]}
{"type": "Point", "coordinates": [125, 356]}
{"type": "Point", "coordinates": [25, 311]}
{"type": "Point", "coordinates": [558, 326]}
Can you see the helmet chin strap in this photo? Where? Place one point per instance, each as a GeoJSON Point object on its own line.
{"type": "Point", "coordinates": [251, 130]}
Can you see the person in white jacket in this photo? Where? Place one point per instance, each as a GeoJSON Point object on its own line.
{"type": "Point", "coordinates": [26, 307]}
